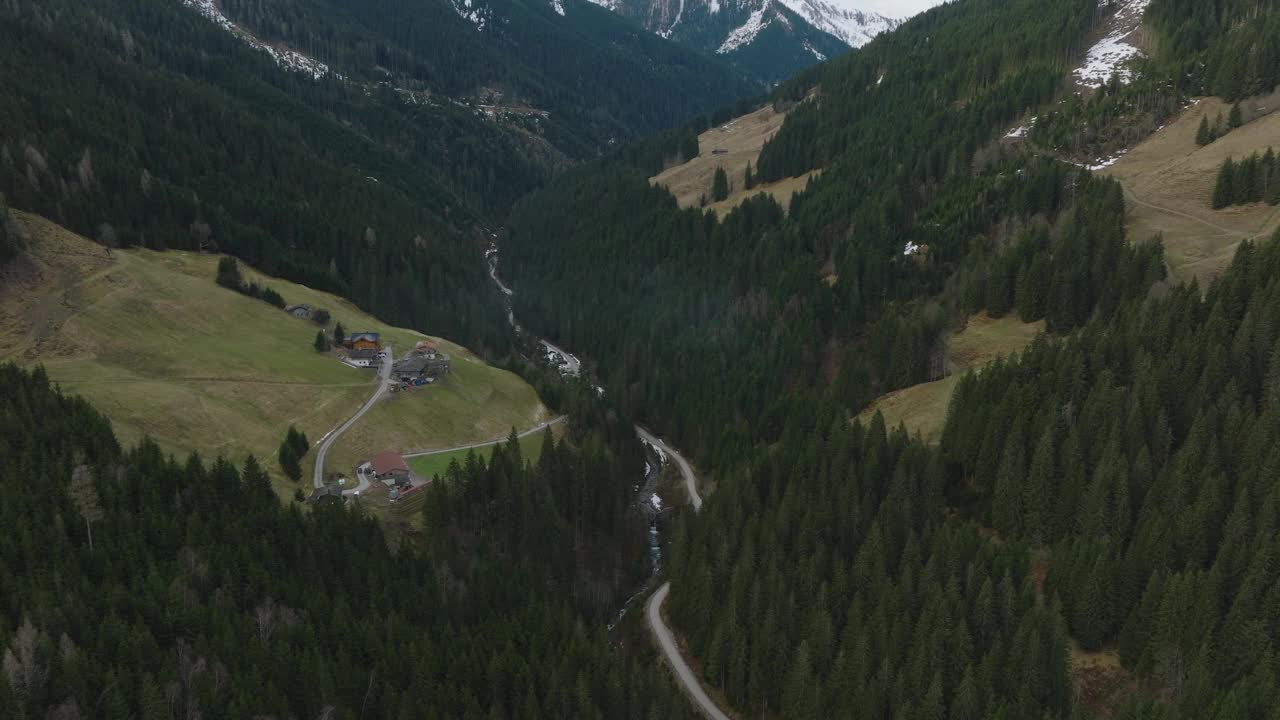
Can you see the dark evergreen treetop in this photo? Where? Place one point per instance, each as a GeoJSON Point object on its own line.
{"type": "Point", "coordinates": [203, 595]}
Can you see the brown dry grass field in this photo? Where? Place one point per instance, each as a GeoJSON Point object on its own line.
{"type": "Point", "coordinates": [741, 140]}
{"type": "Point", "coordinates": [1168, 181]}
{"type": "Point", "coordinates": [155, 344]}
{"type": "Point", "coordinates": [781, 191]}
{"type": "Point", "coordinates": [923, 408]}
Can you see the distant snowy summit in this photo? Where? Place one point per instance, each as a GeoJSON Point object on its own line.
{"type": "Point", "coordinates": [772, 39]}
{"type": "Point", "coordinates": [855, 27]}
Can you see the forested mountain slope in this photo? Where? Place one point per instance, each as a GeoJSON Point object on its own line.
{"type": "Point", "coordinates": [146, 123]}
{"type": "Point", "coordinates": [599, 78]}
{"type": "Point", "coordinates": [1107, 495]}
{"type": "Point", "coordinates": [140, 587]}
{"type": "Point", "coordinates": [1130, 475]}
{"type": "Point", "coordinates": [735, 315]}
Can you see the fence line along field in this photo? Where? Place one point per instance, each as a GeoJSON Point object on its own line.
{"type": "Point", "coordinates": [163, 351]}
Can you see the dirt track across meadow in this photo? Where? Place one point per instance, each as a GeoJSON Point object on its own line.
{"type": "Point", "coordinates": [1168, 182]}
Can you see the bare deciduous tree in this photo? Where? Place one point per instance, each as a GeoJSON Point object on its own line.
{"type": "Point", "coordinates": [25, 670]}
{"type": "Point", "coordinates": [68, 710]}
{"type": "Point", "coordinates": [201, 233]}
{"type": "Point", "coordinates": [84, 169]}
{"type": "Point", "coordinates": [84, 493]}
{"type": "Point", "coordinates": [264, 618]}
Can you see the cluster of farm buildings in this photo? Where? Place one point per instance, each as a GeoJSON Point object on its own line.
{"type": "Point", "coordinates": [421, 366]}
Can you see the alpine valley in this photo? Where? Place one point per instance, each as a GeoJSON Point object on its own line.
{"type": "Point", "coordinates": [929, 362]}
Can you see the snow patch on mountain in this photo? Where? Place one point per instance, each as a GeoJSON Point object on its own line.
{"type": "Point", "coordinates": [855, 27]}
{"type": "Point", "coordinates": [816, 54]}
{"type": "Point", "coordinates": [745, 33]}
{"type": "Point", "coordinates": [1113, 54]}
{"type": "Point", "coordinates": [473, 13]}
{"type": "Point", "coordinates": [666, 33]}
{"type": "Point", "coordinates": [558, 6]}
{"type": "Point", "coordinates": [284, 57]}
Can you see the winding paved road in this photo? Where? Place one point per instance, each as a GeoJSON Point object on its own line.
{"type": "Point", "coordinates": [667, 642]}
{"type": "Point", "coordinates": [384, 374]}
{"type": "Point", "coordinates": [690, 481]}
{"type": "Point", "coordinates": [570, 360]}
{"type": "Point", "coordinates": [653, 611]}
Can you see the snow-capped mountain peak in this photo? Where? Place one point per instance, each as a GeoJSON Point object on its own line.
{"type": "Point", "coordinates": [855, 27]}
{"type": "Point", "coordinates": [770, 39]}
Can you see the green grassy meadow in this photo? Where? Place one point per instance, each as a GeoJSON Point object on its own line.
{"type": "Point", "coordinates": [163, 351]}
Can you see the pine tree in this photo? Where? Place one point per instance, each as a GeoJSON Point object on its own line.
{"type": "Point", "coordinates": [719, 185]}
{"type": "Point", "coordinates": [229, 274]}
{"type": "Point", "coordinates": [799, 695]}
{"type": "Point", "coordinates": [1037, 494]}
{"type": "Point", "coordinates": [748, 181]}
{"type": "Point", "coordinates": [689, 146]}
{"type": "Point", "coordinates": [998, 291]}
{"type": "Point", "coordinates": [1204, 135]}
{"type": "Point", "coordinates": [339, 334]}
{"type": "Point", "coordinates": [289, 461]}
{"type": "Point", "coordinates": [151, 701]}
{"type": "Point", "coordinates": [321, 343]}
{"type": "Point", "coordinates": [1235, 119]}
{"type": "Point", "coordinates": [1006, 504]}
{"type": "Point", "coordinates": [1268, 179]}
{"type": "Point", "coordinates": [298, 441]}
{"type": "Point", "coordinates": [1223, 190]}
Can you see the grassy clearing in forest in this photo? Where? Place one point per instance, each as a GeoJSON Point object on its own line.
{"type": "Point", "coordinates": [923, 408]}
{"type": "Point", "coordinates": [739, 141]}
{"type": "Point", "coordinates": [154, 343]}
{"type": "Point", "coordinates": [1169, 179]}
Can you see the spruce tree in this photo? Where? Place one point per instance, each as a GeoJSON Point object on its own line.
{"type": "Point", "coordinates": [229, 274]}
{"type": "Point", "coordinates": [1223, 190]}
{"type": "Point", "coordinates": [321, 343]}
{"type": "Point", "coordinates": [339, 334]}
{"type": "Point", "coordinates": [1236, 118]}
{"type": "Point", "coordinates": [1036, 496]}
{"type": "Point", "coordinates": [289, 461]}
{"type": "Point", "coordinates": [719, 186]}
{"type": "Point", "coordinates": [1204, 135]}
{"type": "Point", "coordinates": [1267, 177]}
{"type": "Point", "coordinates": [298, 441]}
{"type": "Point", "coordinates": [689, 146]}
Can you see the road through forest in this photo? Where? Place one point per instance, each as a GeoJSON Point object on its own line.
{"type": "Point", "coordinates": [685, 676]}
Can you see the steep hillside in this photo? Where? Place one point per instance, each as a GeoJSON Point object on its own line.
{"type": "Point", "coordinates": [1097, 497]}
{"type": "Point", "coordinates": [519, 61]}
{"type": "Point", "coordinates": [361, 149]}
{"type": "Point", "coordinates": [166, 353]}
{"type": "Point", "coordinates": [1169, 180]}
{"type": "Point", "coordinates": [923, 408]}
{"type": "Point", "coordinates": [140, 587]}
{"type": "Point", "coordinates": [889, 221]}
